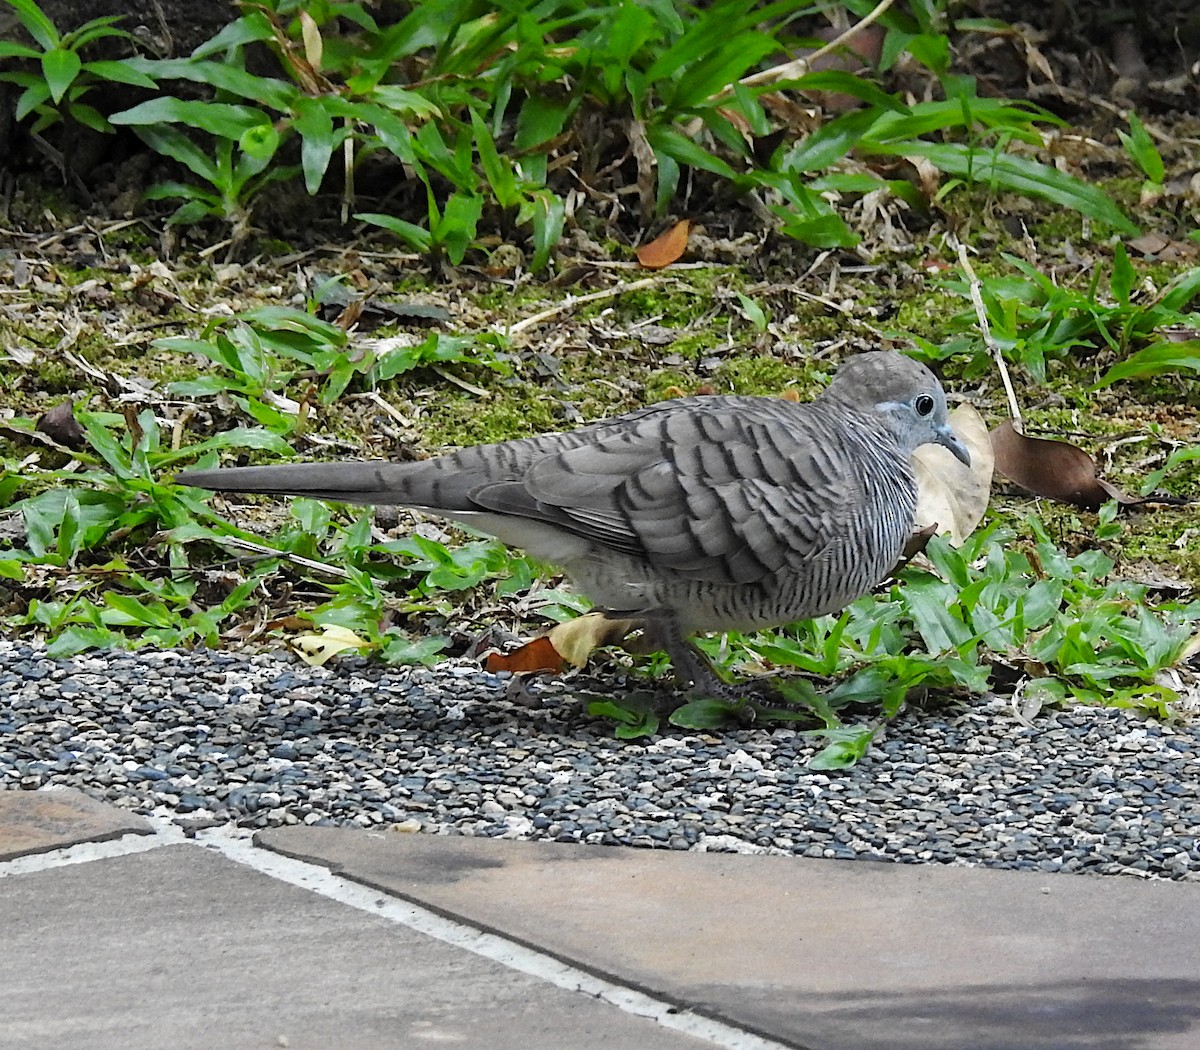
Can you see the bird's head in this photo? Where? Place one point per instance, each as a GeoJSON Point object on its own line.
{"type": "Point", "coordinates": [904, 393]}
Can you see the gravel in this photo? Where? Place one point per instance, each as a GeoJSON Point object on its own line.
{"type": "Point", "coordinates": [262, 740]}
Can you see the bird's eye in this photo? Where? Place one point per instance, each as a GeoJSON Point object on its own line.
{"type": "Point", "coordinates": [924, 405]}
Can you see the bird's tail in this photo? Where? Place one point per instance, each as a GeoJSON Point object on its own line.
{"type": "Point", "coordinates": [379, 482]}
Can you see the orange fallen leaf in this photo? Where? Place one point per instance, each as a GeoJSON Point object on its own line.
{"type": "Point", "coordinates": [665, 248]}
{"type": "Point", "coordinates": [538, 655]}
{"type": "Point", "coordinates": [571, 642]}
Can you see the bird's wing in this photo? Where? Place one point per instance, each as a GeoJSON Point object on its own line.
{"type": "Point", "coordinates": [731, 490]}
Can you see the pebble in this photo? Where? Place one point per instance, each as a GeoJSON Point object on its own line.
{"type": "Point", "coordinates": [260, 740]}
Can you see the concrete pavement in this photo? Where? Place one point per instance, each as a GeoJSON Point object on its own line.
{"type": "Point", "coordinates": [118, 932]}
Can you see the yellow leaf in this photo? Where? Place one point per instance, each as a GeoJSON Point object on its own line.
{"type": "Point", "coordinates": [951, 495]}
{"type": "Point", "coordinates": [318, 649]}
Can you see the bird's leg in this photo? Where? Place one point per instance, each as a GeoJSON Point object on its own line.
{"type": "Point", "coordinates": [692, 668]}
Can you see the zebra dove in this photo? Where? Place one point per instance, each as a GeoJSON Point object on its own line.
{"type": "Point", "coordinates": [692, 515]}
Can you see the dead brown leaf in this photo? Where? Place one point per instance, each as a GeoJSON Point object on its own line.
{"type": "Point", "coordinates": [665, 248]}
{"type": "Point", "coordinates": [60, 424]}
{"type": "Point", "coordinates": [1057, 470]}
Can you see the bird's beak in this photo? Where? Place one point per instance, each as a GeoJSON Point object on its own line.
{"type": "Point", "coordinates": [947, 439]}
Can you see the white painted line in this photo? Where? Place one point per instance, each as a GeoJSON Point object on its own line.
{"type": "Point", "coordinates": [237, 847]}
{"type": "Point", "coordinates": [165, 835]}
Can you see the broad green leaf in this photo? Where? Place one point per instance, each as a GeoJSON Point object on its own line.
{"type": "Point", "coordinates": [706, 713]}
{"type": "Point", "coordinates": [496, 169]}
{"type": "Point", "coordinates": [265, 91]}
{"type": "Point", "coordinates": [417, 236]}
{"type": "Point", "coordinates": [541, 119]}
{"type": "Point", "coordinates": [318, 139]}
{"type": "Point", "coordinates": [173, 143]}
{"type": "Point", "coordinates": [846, 746]}
{"type": "Point", "coordinates": [131, 612]}
{"type": "Point", "coordinates": [217, 118]}
{"type": "Point", "coordinates": [549, 212]}
{"type": "Point", "coordinates": [1019, 174]}
{"type": "Point", "coordinates": [8, 49]}
{"type": "Point", "coordinates": [260, 141]}
{"type": "Point", "coordinates": [32, 97]}
{"type": "Point", "coordinates": [1141, 148]}
{"type": "Point", "coordinates": [844, 83]}
{"type": "Point", "coordinates": [251, 27]}
{"type": "Point", "coordinates": [829, 143]}
{"type": "Point", "coordinates": [88, 116]}
{"type": "Point", "coordinates": [70, 529]}
{"type": "Point", "coordinates": [631, 722]}
{"type": "Point", "coordinates": [1123, 277]}
{"type": "Point", "coordinates": [456, 229]}
{"type": "Point", "coordinates": [1156, 358]}
{"type": "Point", "coordinates": [399, 649]}
{"type": "Point", "coordinates": [238, 437]}
{"type": "Point", "coordinates": [75, 639]}
{"type": "Point", "coordinates": [60, 68]}
{"type": "Point", "coordinates": [36, 23]}
{"type": "Point", "coordinates": [120, 73]}
{"type": "Point", "coordinates": [678, 146]}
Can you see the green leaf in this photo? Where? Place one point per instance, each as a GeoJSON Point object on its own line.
{"type": "Point", "coordinates": [238, 437]}
{"type": "Point", "coordinates": [1123, 277]}
{"type": "Point", "coordinates": [130, 612]}
{"type": "Point", "coordinates": [456, 228]}
{"type": "Point", "coordinates": [496, 169]}
{"type": "Point", "coordinates": [195, 211]}
{"type": "Point", "coordinates": [60, 68]}
{"type": "Point", "coordinates": [96, 29]}
{"type": "Point", "coordinates": [264, 91]}
{"type": "Point", "coordinates": [217, 118]}
{"type": "Point", "coordinates": [634, 720]}
{"type": "Point", "coordinates": [1018, 174]}
{"type": "Point", "coordinates": [417, 236]}
{"type": "Point", "coordinates": [120, 73]}
{"type": "Point", "coordinates": [829, 143]}
{"type": "Point", "coordinates": [260, 141]}
{"type": "Point", "coordinates": [318, 141]}
{"type": "Point", "coordinates": [89, 117]}
{"type": "Point", "coordinates": [1140, 146]}
{"type": "Point", "coordinates": [8, 49]}
{"type": "Point", "coordinates": [175, 144]}
{"type": "Point", "coordinates": [844, 83]}
{"type": "Point", "coordinates": [32, 97]}
{"type": "Point", "coordinates": [540, 120]}
{"type": "Point", "coordinates": [706, 713]}
{"type": "Point", "coordinates": [75, 639]}
{"type": "Point", "coordinates": [681, 148]}
{"type": "Point", "coordinates": [248, 29]}
{"type": "Point", "coordinates": [549, 212]}
{"type": "Point", "coordinates": [403, 650]}
{"type": "Point", "coordinates": [1156, 358]}
{"type": "Point", "coordinates": [847, 744]}
{"type": "Point", "coordinates": [36, 23]}
{"type": "Point", "coordinates": [70, 529]}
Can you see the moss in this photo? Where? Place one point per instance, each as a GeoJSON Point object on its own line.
{"type": "Point", "coordinates": [764, 375]}
{"type": "Point", "coordinates": [929, 314]}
